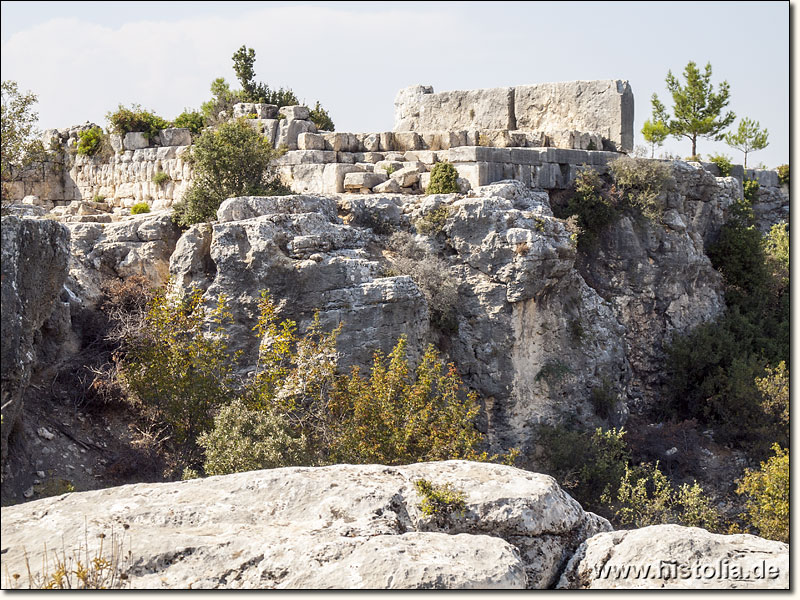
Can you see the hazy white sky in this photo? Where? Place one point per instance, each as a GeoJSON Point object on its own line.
{"type": "Point", "coordinates": [85, 58]}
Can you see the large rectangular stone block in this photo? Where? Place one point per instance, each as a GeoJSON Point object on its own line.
{"type": "Point", "coordinates": [417, 108]}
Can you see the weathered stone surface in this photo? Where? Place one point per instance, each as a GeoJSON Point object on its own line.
{"type": "Point", "coordinates": [310, 141]}
{"type": "Point", "coordinates": [593, 108]}
{"type": "Point", "coordinates": [262, 111]}
{"type": "Point", "coordinates": [175, 136]}
{"type": "Point", "coordinates": [359, 526]}
{"type": "Point", "coordinates": [34, 267]}
{"type": "Point", "coordinates": [675, 557]}
{"type": "Point", "coordinates": [294, 112]}
{"type": "Point", "coordinates": [135, 140]}
{"type": "Point", "coordinates": [359, 181]}
{"type": "Point", "coordinates": [138, 245]}
{"type": "Point", "coordinates": [387, 187]}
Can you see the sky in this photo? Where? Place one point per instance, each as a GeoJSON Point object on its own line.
{"type": "Point", "coordinates": [83, 59]}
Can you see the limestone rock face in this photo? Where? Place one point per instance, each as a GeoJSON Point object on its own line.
{"type": "Point", "coordinates": [297, 248]}
{"type": "Point", "coordinates": [675, 557]}
{"type": "Point", "coordinates": [138, 245]}
{"type": "Point", "coordinates": [34, 266]}
{"type": "Point", "coordinates": [333, 527]}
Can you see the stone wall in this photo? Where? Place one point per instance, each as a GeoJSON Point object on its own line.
{"type": "Point", "coordinates": [604, 108]}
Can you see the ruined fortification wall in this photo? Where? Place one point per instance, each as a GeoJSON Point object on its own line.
{"type": "Point", "coordinates": [604, 108]}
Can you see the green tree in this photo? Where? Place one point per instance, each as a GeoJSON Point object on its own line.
{"type": "Point", "coordinates": [654, 132]}
{"type": "Point", "coordinates": [222, 101]}
{"type": "Point", "coordinates": [231, 160]}
{"type": "Point", "coordinates": [748, 138]}
{"type": "Point", "coordinates": [444, 179]}
{"type": "Point", "coordinates": [767, 492]}
{"type": "Point", "coordinates": [698, 110]}
{"type": "Point", "coordinates": [20, 145]}
{"type": "Point", "coordinates": [192, 120]}
{"type": "Point", "coordinates": [320, 117]}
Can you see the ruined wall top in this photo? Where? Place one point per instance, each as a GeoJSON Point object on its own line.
{"type": "Point", "coordinates": [603, 107]}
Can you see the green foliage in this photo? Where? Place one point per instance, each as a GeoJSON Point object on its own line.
{"type": "Point", "coordinates": [177, 367]}
{"type": "Point", "coordinates": [243, 62]}
{"type": "Point", "coordinates": [783, 174]}
{"type": "Point", "coordinates": [90, 141]}
{"type": "Point", "coordinates": [222, 101]}
{"type": "Point", "coordinates": [432, 223]}
{"type": "Point", "coordinates": [723, 163]}
{"type": "Point", "coordinates": [19, 143]}
{"type": "Point", "coordinates": [161, 177]}
{"type": "Point", "coordinates": [750, 188]}
{"type": "Point", "coordinates": [248, 439]}
{"type": "Point", "coordinates": [124, 120]}
{"type": "Point", "coordinates": [748, 138]}
{"type": "Point", "coordinates": [604, 400]}
{"type": "Point", "coordinates": [399, 415]}
{"type": "Point", "coordinates": [654, 133]}
{"type": "Point", "coordinates": [774, 388]}
{"type": "Point", "coordinates": [230, 160]}
{"type": "Point", "coordinates": [776, 245]}
{"type": "Point", "coordinates": [192, 120]}
{"type": "Point", "coordinates": [712, 372]}
{"type": "Point", "coordinates": [593, 209]}
{"type": "Point", "coordinates": [140, 208]}
{"type": "Point", "coordinates": [587, 464]}
{"type": "Point", "coordinates": [646, 497]}
{"type": "Point", "coordinates": [444, 179]}
{"type": "Point", "coordinates": [697, 110]}
{"type": "Point", "coordinates": [767, 492]}
{"type": "Point", "coordinates": [440, 501]}
{"type": "Point", "coordinates": [320, 117]}
{"type": "Point", "coordinates": [640, 183]}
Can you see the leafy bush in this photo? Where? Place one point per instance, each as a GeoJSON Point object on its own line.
{"type": "Point", "coordinates": [444, 179]}
{"type": "Point", "coordinates": [767, 492]}
{"type": "Point", "coordinates": [640, 183]}
{"type": "Point", "coordinates": [433, 222]}
{"type": "Point", "coordinates": [604, 400]}
{"type": "Point", "coordinates": [140, 208]}
{"type": "Point", "coordinates": [432, 276]}
{"type": "Point", "coordinates": [440, 501]}
{"type": "Point", "coordinates": [248, 439]}
{"type": "Point", "coordinates": [750, 187]}
{"type": "Point", "coordinates": [320, 117]}
{"type": "Point", "coordinates": [192, 120]}
{"type": "Point", "coordinates": [774, 388]}
{"type": "Point", "coordinates": [90, 141]}
{"type": "Point", "coordinates": [593, 209]}
{"type": "Point", "coordinates": [161, 177]}
{"type": "Point", "coordinates": [177, 367]}
{"type": "Point", "coordinates": [587, 464]}
{"type": "Point", "coordinates": [125, 120]}
{"type": "Point", "coordinates": [646, 497]}
{"type": "Point", "coordinates": [723, 163]}
{"type": "Point", "coordinates": [783, 174]}
{"type": "Point", "coordinates": [231, 160]}
{"type": "Point", "coordinates": [397, 416]}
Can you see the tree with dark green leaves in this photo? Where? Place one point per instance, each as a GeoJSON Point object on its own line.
{"type": "Point", "coordinates": [20, 143]}
{"type": "Point", "coordinates": [698, 110]}
{"type": "Point", "coordinates": [654, 133]}
{"type": "Point", "coordinates": [748, 138]}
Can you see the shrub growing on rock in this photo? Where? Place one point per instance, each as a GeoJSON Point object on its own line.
{"type": "Point", "coordinates": [723, 163]}
{"type": "Point", "coordinates": [750, 188]}
{"type": "Point", "coordinates": [125, 120]}
{"type": "Point", "coordinates": [640, 183]}
{"type": "Point", "coordinates": [432, 223]}
{"type": "Point", "coordinates": [140, 208]}
{"type": "Point", "coordinates": [444, 179]}
{"type": "Point", "coordinates": [783, 174]}
{"type": "Point", "coordinates": [177, 367]}
{"type": "Point", "coordinates": [594, 209]}
{"type": "Point", "coordinates": [320, 117]}
{"type": "Point", "coordinates": [767, 492]}
{"type": "Point", "coordinates": [161, 177]}
{"type": "Point", "coordinates": [90, 141]}
{"type": "Point", "coordinates": [231, 160]}
{"type": "Point", "coordinates": [440, 500]}
{"type": "Point", "coordinates": [192, 120]}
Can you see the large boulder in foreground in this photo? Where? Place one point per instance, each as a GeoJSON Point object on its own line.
{"type": "Point", "coordinates": [34, 267]}
{"type": "Point", "coordinates": [675, 557]}
{"type": "Point", "coordinates": [332, 527]}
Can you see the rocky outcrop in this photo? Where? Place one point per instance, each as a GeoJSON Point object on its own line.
{"type": "Point", "coordinates": [674, 557]}
{"type": "Point", "coordinates": [333, 527]}
{"type": "Point", "coordinates": [34, 267]}
{"type": "Point", "coordinates": [137, 245]}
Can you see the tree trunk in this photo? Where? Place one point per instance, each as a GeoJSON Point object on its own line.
{"type": "Point", "coordinates": [694, 146]}
{"type": "Point", "coordinates": [745, 160]}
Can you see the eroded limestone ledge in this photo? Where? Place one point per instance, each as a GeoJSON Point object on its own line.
{"type": "Point", "coordinates": [602, 107]}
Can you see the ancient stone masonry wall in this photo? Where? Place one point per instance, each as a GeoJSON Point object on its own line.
{"type": "Point", "coordinates": [561, 111]}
